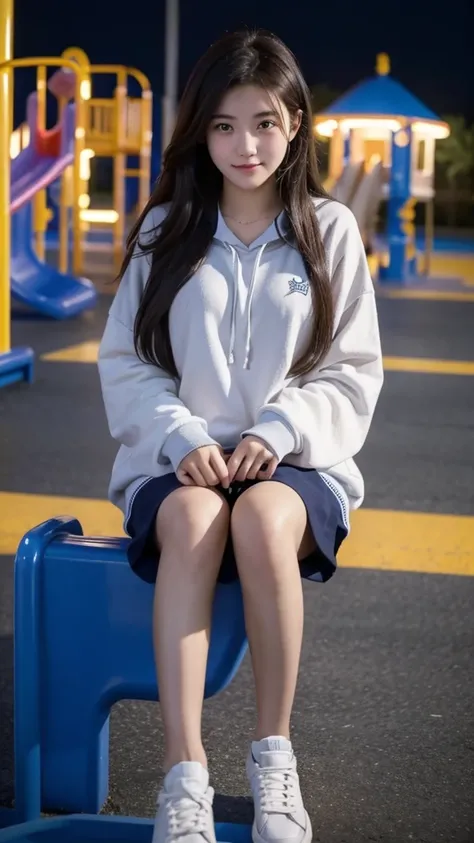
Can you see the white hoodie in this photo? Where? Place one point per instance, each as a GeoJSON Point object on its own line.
{"type": "Point", "coordinates": [236, 328]}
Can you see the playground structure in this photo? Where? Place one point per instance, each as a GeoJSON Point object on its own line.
{"type": "Point", "coordinates": [114, 128]}
{"type": "Point", "coordinates": [34, 157]}
{"type": "Point", "coordinates": [382, 146]}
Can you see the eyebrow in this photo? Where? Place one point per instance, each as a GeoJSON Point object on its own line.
{"type": "Point", "coordinates": [232, 117]}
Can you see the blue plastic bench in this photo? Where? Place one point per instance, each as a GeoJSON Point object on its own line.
{"type": "Point", "coordinates": [82, 642]}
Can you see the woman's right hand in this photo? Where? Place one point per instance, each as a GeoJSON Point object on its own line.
{"type": "Point", "coordinates": [204, 467]}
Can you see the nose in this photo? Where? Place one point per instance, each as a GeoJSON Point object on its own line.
{"type": "Point", "coordinates": [247, 145]}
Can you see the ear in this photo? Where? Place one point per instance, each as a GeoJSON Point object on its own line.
{"type": "Point", "coordinates": [295, 124]}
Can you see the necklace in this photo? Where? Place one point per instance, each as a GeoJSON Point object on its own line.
{"type": "Point", "coordinates": [248, 222]}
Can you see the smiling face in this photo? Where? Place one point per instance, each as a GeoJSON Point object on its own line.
{"type": "Point", "coordinates": [248, 136]}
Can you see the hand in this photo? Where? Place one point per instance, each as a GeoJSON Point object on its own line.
{"type": "Point", "coordinates": [204, 467]}
{"type": "Point", "coordinates": [251, 460]}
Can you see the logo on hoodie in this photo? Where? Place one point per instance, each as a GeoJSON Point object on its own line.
{"type": "Point", "coordinates": [298, 286]}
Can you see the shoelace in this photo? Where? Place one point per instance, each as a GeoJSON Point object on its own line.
{"type": "Point", "coordinates": [187, 815]}
{"type": "Point", "coordinates": [278, 791]}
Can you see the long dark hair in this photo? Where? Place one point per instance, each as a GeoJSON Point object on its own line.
{"type": "Point", "coordinates": [191, 185]}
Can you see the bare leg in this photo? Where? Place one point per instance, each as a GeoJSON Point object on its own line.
{"type": "Point", "coordinates": [269, 533]}
{"type": "Point", "coordinates": [192, 528]}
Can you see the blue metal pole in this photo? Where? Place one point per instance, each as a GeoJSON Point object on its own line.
{"type": "Point", "coordinates": [400, 230]}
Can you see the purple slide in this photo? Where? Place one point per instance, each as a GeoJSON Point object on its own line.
{"type": "Point", "coordinates": [33, 283]}
{"type": "Point", "coordinates": [31, 171]}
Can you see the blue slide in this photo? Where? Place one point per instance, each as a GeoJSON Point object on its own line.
{"type": "Point", "coordinates": [39, 286]}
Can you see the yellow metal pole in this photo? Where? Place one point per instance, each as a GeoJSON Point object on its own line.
{"type": "Point", "coordinates": [6, 97]}
{"type": "Point", "coordinates": [66, 179]}
{"type": "Point", "coordinates": [41, 90]}
{"type": "Point", "coordinates": [63, 261]}
{"type": "Point", "coordinates": [429, 235]}
{"type": "Point", "coordinates": [40, 222]}
{"type": "Point", "coordinates": [39, 200]}
{"type": "Point", "coordinates": [119, 207]}
{"type": "Point", "coordinates": [145, 149]}
{"type": "Point", "coordinates": [120, 164]}
{"type": "Point", "coordinates": [79, 145]}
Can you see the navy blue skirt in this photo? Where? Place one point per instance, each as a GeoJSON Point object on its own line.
{"type": "Point", "coordinates": [325, 505]}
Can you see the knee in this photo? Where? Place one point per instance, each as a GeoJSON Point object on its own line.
{"type": "Point", "coordinates": [256, 524]}
{"type": "Point", "coordinates": [266, 524]}
{"type": "Point", "coordinates": [193, 518]}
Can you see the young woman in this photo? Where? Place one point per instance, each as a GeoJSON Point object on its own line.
{"type": "Point", "coordinates": [240, 369]}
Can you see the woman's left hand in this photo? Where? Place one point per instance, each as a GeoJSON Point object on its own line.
{"type": "Point", "coordinates": [251, 460]}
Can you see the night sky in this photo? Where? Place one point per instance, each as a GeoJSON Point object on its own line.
{"type": "Point", "coordinates": [336, 41]}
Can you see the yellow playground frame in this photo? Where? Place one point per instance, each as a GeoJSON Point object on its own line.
{"type": "Point", "coordinates": [111, 128]}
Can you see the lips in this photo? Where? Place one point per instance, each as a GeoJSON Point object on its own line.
{"type": "Point", "coordinates": [247, 166]}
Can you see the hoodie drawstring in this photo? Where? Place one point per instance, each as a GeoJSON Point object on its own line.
{"type": "Point", "coordinates": [233, 318]}
{"type": "Point", "coordinates": [248, 338]}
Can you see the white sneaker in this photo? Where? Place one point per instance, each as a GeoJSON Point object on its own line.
{"type": "Point", "coordinates": [185, 806]}
{"type": "Point", "coordinates": [280, 816]}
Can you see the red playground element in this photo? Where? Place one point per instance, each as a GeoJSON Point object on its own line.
{"type": "Point", "coordinates": [62, 85]}
{"type": "Point", "coordinates": [48, 141]}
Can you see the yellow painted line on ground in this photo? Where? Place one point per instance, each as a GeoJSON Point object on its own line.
{"type": "Point", "coordinates": [383, 540]}
{"type": "Point", "coordinates": [442, 266]}
{"type": "Point", "coordinates": [86, 352]}
{"type": "Point", "coordinates": [20, 512]}
{"type": "Point", "coordinates": [427, 295]}
{"type": "Point", "coordinates": [419, 542]}
{"type": "Point", "coordinates": [452, 265]}
{"type": "Point", "coordinates": [426, 365]}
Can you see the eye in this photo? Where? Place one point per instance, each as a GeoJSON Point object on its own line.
{"type": "Point", "coordinates": [267, 124]}
{"type": "Point", "coordinates": [222, 127]}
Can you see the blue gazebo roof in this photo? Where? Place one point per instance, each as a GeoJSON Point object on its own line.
{"type": "Point", "coordinates": [379, 96]}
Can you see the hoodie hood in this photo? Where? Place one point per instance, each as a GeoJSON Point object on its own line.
{"type": "Point", "coordinates": [270, 235]}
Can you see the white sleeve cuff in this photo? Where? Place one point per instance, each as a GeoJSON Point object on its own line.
{"type": "Point", "coordinates": [276, 434]}
{"type": "Point", "coordinates": [183, 441]}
